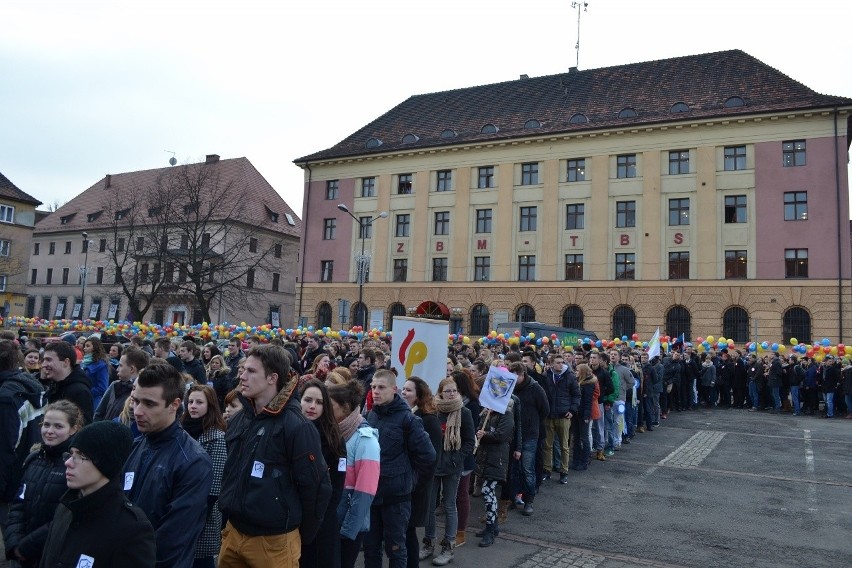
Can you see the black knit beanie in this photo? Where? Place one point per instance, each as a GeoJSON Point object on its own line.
{"type": "Point", "coordinates": [107, 444]}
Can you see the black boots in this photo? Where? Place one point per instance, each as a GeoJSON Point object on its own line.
{"type": "Point", "coordinates": [490, 532]}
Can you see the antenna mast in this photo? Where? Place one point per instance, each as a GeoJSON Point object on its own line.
{"type": "Point", "coordinates": [581, 7]}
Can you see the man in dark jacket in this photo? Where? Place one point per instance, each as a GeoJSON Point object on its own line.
{"type": "Point", "coordinates": [235, 356]}
{"type": "Point", "coordinates": [366, 368]}
{"type": "Point", "coordinates": [563, 395]}
{"type": "Point", "coordinates": [21, 407]}
{"type": "Point", "coordinates": [132, 361]}
{"type": "Point", "coordinates": [69, 382]}
{"type": "Point", "coordinates": [406, 452]}
{"type": "Point", "coordinates": [535, 409]}
{"type": "Point", "coordinates": [774, 380]}
{"type": "Point", "coordinates": [192, 365]}
{"type": "Point", "coordinates": [168, 474]}
{"type": "Point", "coordinates": [313, 347]}
{"type": "Point", "coordinates": [275, 486]}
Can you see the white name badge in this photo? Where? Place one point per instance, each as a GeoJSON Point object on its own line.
{"type": "Point", "coordinates": [85, 561]}
{"type": "Point", "coordinates": [128, 480]}
{"type": "Point", "coordinates": [257, 469]}
{"type": "Point", "coordinates": [341, 464]}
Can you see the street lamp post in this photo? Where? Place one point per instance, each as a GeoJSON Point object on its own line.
{"type": "Point", "coordinates": [362, 259]}
{"type": "Point", "coordinates": [84, 273]}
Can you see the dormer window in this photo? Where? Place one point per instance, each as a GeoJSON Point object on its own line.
{"type": "Point", "coordinates": [93, 216]}
{"type": "Point", "coordinates": [679, 107]}
{"type": "Point", "coordinates": [410, 139]}
{"type": "Point", "coordinates": [578, 118]}
{"type": "Point", "coordinates": [290, 220]}
{"type": "Point", "coordinates": [489, 129]}
{"type": "Point", "coordinates": [119, 215]}
{"type": "Point", "coordinates": [273, 216]}
{"type": "Point", "coordinates": [373, 143]}
{"type": "Point", "coordinates": [154, 211]}
{"type": "Point", "coordinates": [448, 133]}
{"type": "Point", "coordinates": [734, 102]}
{"type": "Point", "coordinates": [532, 123]}
{"type": "Point", "coordinates": [65, 220]}
{"type": "Point", "coordinates": [628, 112]}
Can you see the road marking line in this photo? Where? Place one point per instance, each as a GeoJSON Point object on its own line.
{"type": "Point", "coordinates": [809, 467]}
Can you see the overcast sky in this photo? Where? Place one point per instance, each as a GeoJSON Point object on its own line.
{"type": "Point", "coordinates": [90, 88]}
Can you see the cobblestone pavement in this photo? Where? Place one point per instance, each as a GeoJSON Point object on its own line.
{"type": "Point", "coordinates": [693, 451]}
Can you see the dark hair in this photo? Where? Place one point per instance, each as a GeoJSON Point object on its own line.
{"type": "Point", "coordinates": [326, 424]}
{"type": "Point", "coordinates": [424, 400]}
{"type": "Point", "coordinates": [63, 350]}
{"type": "Point", "coordinates": [370, 354]}
{"type": "Point", "coordinates": [481, 366]}
{"type": "Point", "coordinates": [231, 396]}
{"type": "Point", "coordinates": [69, 409]}
{"type": "Point", "coordinates": [164, 343]}
{"type": "Point", "coordinates": [465, 384]}
{"type": "Point", "coordinates": [136, 358]}
{"type": "Point", "coordinates": [117, 346]}
{"type": "Point", "coordinates": [98, 352]}
{"type": "Point", "coordinates": [213, 351]}
{"type": "Point", "coordinates": [518, 368]}
{"type": "Point", "coordinates": [36, 351]}
{"type": "Point", "coordinates": [348, 395]}
{"type": "Point", "coordinates": [274, 359]}
{"type": "Point", "coordinates": [513, 356]}
{"type": "Point", "coordinates": [162, 374]}
{"type": "Point", "coordinates": [191, 346]}
{"type": "Point", "coordinates": [213, 418]}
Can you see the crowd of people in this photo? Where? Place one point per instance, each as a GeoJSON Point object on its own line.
{"type": "Point", "coordinates": [311, 452]}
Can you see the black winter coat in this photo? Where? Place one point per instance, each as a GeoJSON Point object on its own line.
{"type": "Point", "coordinates": [563, 392]}
{"type": "Point", "coordinates": [423, 495]}
{"type": "Point", "coordinates": [77, 387]}
{"type": "Point", "coordinates": [492, 455]}
{"type": "Point", "coordinates": [195, 369]}
{"type": "Point", "coordinates": [534, 407]}
{"type": "Point", "coordinates": [452, 463]}
{"type": "Point", "coordinates": [103, 528]}
{"type": "Point", "coordinates": [42, 486]}
{"type": "Point", "coordinates": [21, 407]}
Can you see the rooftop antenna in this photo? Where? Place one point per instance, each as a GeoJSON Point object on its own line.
{"type": "Point", "coordinates": [172, 160]}
{"type": "Point", "coordinates": [581, 7]}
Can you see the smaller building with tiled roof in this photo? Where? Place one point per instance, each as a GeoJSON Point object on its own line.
{"type": "Point", "coordinates": [17, 219]}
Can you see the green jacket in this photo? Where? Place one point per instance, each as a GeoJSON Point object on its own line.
{"type": "Point", "coordinates": [616, 384]}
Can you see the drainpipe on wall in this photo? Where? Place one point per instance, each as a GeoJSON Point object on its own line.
{"type": "Point", "coordinates": [304, 240]}
{"type": "Point", "coordinates": [839, 233]}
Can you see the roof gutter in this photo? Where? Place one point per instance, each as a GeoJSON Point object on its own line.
{"type": "Point", "coordinates": [304, 240]}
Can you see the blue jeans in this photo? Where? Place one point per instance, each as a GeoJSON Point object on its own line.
{"type": "Point", "coordinates": [598, 431]}
{"type": "Point", "coordinates": [610, 432]}
{"type": "Point", "coordinates": [776, 397]}
{"type": "Point", "coordinates": [754, 394]}
{"type": "Point", "coordinates": [848, 398]}
{"type": "Point", "coordinates": [446, 486]}
{"type": "Point", "coordinates": [629, 419]}
{"type": "Point", "coordinates": [388, 524]}
{"type": "Point", "coordinates": [829, 404]}
{"type": "Point", "coordinates": [528, 451]}
{"type": "Point", "coordinates": [794, 395]}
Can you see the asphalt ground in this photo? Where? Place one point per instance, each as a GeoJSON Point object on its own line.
{"type": "Point", "coordinates": [707, 488]}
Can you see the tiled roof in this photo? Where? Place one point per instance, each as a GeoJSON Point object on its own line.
{"type": "Point", "coordinates": [258, 199]}
{"type": "Point", "coordinates": [704, 82]}
{"type": "Point", "coordinates": [11, 191]}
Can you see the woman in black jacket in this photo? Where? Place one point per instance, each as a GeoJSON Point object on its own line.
{"type": "Point", "coordinates": [492, 457]}
{"type": "Point", "coordinates": [42, 485]}
{"type": "Point", "coordinates": [95, 524]}
{"type": "Point", "coordinates": [324, 550]}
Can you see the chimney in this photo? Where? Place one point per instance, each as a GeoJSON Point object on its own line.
{"type": "Point", "coordinates": [524, 77]}
{"type": "Point", "coordinates": [572, 70]}
{"type": "Point", "coordinates": [107, 181]}
{"type": "Point", "coordinates": [212, 159]}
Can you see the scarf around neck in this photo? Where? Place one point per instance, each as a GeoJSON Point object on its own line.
{"type": "Point", "coordinates": [349, 424]}
{"type": "Point", "coordinates": [452, 432]}
{"type": "Point", "coordinates": [193, 426]}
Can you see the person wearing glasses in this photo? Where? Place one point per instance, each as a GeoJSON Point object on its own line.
{"type": "Point", "coordinates": [95, 525]}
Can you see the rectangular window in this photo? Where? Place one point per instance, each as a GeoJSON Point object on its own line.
{"type": "Point", "coordinates": [529, 218]}
{"type": "Point", "coordinates": [326, 270]}
{"type": "Point", "coordinates": [529, 173]}
{"type": "Point", "coordinates": [2, 282]}
{"type": "Point", "coordinates": [278, 250]}
{"type": "Point", "coordinates": [276, 281]}
{"type": "Point", "coordinates": [368, 187]}
{"type": "Point", "coordinates": [735, 209]}
{"type": "Point", "coordinates": [526, 268]}
{"type": "Point", "coordinates": [794, 153]}
{"type": "Point", "coordinates": [101, 246]}
{"type": "Point", "coordinates": [5, 247]}
{"type": "Point", "coordinates": [626, 166]}
{"type": "Point", "coordinates": [575, 216]}
{"type": "Point", "coordinates": [678, 212]}
{"type": "Point", "coordinates": [486, 177]}
{"type": "Point", "coordinates": [404, 184]}
{"type": "Point", "coordinates": [365, 227]}
{"type": "Point", "coordinates": [796, 206]}
{"type": "Point", "coordinates": [99, 274]}
{"type": "Point", "coordinates": [205, 241]}
{"type": "Point", "coordinates": [33, 276]}
{"type": "Point", "coordinates": [7, 214]}
{"type": "Point", "coordinates": [250, 278]}
{"type": "Point", "coordinates": [483, 220]}
{"type": "Point", "coordinates": [49, 278]}
{"type": "Point", "coordinates": [444, 180]}
{"type": "Point", "coordinates": [400, 269]}
{"type": "Point", "coordinates": [67, 247]}
{"type": "Point", "coordinates": [625, 214]}
{"type": "Point", "coordinates": [169, 272]}
{"type": "Point", "coordinates": [403, 225]}
{"type": "Point", "coordinates": [439, 270]}
{"type": "Point", "coordinates": [736, 264]}
{"type": "Point", "coordinates": [140, 243]}
{"type": "Point", "coordinates": [573, 267]}
{"type": "Point", "coordinates": [182, 270]}
{"type": "Point", "coordinates": [795, 263]}
{"type": "Point", "coordinates": [329, 229]}
{"type": "Point", "coordinates": [482, 268]}
{"type": "Point", "coordinates": [442, 222]}
{"type": "Point", "coordinates": [679, 265]}
{"type": "Point", "coordinates": [331, 190]}
{"type": "Point", "coordinates": [65, 273]}
{"type": "Point", "coordinates": [184, 242]}
{"type": "Point", "coordinates": [253, 244]}
{"type": "Point", "coordinates": [735, 158]}
{"type": "Point", "coordinates": [678, 162]}
{"type": "Point", "coordinates": [625, 266]}
{"type": "Point", "coordinates": [577, 170]}
{"type": "Point", "coordinates": [36, 248]}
